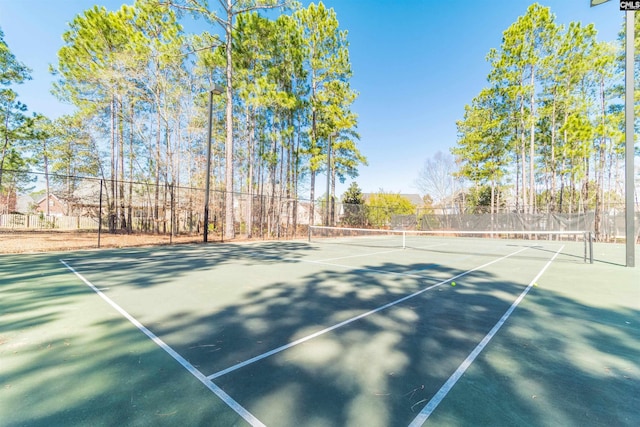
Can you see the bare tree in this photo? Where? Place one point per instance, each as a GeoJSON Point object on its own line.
{"type": "Point", "coordinates": [436, 178]}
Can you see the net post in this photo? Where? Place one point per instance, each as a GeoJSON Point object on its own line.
{"type": "Point", "coordinates": [588, 246]}
{"type": "Point", "coordinates": [309, 233]}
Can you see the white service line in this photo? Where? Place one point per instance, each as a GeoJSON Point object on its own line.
{"type": "Point", "coordinates": [350, 267]}
{"type": "Point", "coordinates": [360, 255]}
{"type": "Point", "coordinates": [250, 418]}
{"type": "Point", "coordinates": [435, 245]}
{"type": "Point", "coordinates": [453, 379]}
{"type": "Point", "coordinates": [378, 253]}
{"type": "Point", "coordinates": [353, 319]}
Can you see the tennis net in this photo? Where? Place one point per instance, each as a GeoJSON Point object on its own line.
{"type": "Point", "coordinates": [415, 239]}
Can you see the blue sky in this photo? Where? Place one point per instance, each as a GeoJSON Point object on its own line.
{"type": "Point", "coordinates": [416, 63]}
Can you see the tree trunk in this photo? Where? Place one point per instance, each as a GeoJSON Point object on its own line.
{"type": "Point", "coordinates": [229, 229]}
{"type": "Point", "coordinates": [123, 218]}
{"type": "Point", "coordinates": [532, 143]}
{"type": "Point", "coordinates": [250, 142]}
{"type": "Point", "coordinates": [112, 214]}
{"type": "Point", "coordinates": [131, 174]}
{"type": "Point", "coordinates": [599, 211]}
{"type": "Point", "coordinates": [552, 189]}
{"type": "Point", "coordinates": [156, 201]}
{"type": "Point", "coordinates": [523, 158]}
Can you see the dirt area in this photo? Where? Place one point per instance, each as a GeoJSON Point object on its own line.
{"type": "Point", "coordinates": [28, 242]}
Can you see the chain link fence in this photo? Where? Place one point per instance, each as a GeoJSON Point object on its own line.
{"type": "Point", "coordinates": [132, 208]}
{"type": "Point", "coordinates": [607, 226]}
{"type": "Point", "coordinates": [145, 208]}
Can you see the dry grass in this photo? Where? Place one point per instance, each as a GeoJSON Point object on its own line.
{"type": "Point", "coordinates": [45, 241]}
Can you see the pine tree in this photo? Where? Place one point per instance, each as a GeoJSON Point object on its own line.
{"type": "Point", "coordinates": [354, 209]}
{"type": "Point", "coordinates": [13, 118]}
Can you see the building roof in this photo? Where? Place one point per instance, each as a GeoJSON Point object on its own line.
{"type": "Point", "coordinates": [51, 196]}
{"type": "Point", "coordinates": [24, 203]}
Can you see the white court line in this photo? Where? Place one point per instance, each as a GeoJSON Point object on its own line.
{"type": "Point", "coordinates": [350, 267]}
{"type": "Point", "coordinates": [252, 420]}
{"type": "Point", "coordinates": [378, 253]}
{"type": "Point", "coordinates": [453, 379]}
{"type": "Point", "coordinates": [353, 319]}
{"type": "Point", "coordinates": [427, 246]}
{"type": "Point", "coordinates": [361, 255]}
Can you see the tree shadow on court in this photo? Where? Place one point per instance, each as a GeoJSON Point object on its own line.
{"type": "Point", "coordinates": [68, 358]}
{"type": "Point", "coordinates": [382, 369]}
{"type": "Point", "coordinates": [27, 290]}
{"type": "Point", "coordinates": [150, 266]}
{"type": "Point", "coordinates": [557, 361]}
{"type": "Point", "coordinates": [378, 370]}
{"type": "Point", "coordinates": [58, 368]}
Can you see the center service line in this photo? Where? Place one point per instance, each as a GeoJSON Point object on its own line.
{"type": "Point", "coordinates": [373, 253]}
{"type": "Point", "coordinates": [250, 418]}
{"type": "Point", "coordinates": [353, 319]}
{"type": "Point", "coordinates": [453, 379]}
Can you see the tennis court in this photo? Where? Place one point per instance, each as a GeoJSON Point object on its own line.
{"type": "Point", "coordinates": [341, 330]}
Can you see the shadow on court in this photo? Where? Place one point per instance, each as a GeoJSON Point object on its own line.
{"type": "Point", "coordinates": [564, 357]}
{"type": "Point", "coordinates": [557, 362]}
{"type": "Point", "coordinates": [68, 359]}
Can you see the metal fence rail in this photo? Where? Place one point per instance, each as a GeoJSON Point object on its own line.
{"type": "Point", "coordinates": [117, 207]}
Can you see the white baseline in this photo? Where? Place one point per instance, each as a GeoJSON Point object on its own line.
{"type": "Point", "coordinates": [250, 418]}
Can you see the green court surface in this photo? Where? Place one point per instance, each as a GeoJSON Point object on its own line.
{"type": "Point", "coordinates": [322, 334]}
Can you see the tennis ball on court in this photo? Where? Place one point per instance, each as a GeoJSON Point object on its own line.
{"type": "Point", "coordinates": [453, 283]}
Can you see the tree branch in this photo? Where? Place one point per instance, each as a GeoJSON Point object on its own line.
{"type": "Point", "coordinates": [170, 3]}
{"type": "Point", "coordinates": [196, 10]}
{"type": "Point", "coordinates": [258, 6]}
